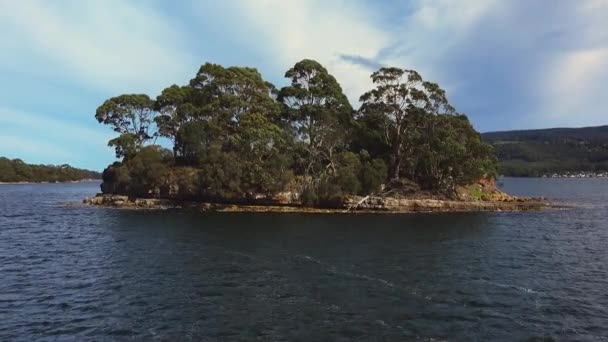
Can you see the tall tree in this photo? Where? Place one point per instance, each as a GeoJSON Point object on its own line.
{"type": "Point", "coordinates": [318, 112]}
{"type": "Point", "coordinates": [224, 95]}
{"type": "Point", "coordinates": [175, 108]}
{"type": "Point", "coordinates": [401, 102]}
{"type": "Point", "coordinates": [241, 119]}
{"type": "Point", "coordinates": [131, 116]}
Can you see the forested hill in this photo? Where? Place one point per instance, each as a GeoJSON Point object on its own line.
{"type": "Point", "coordinates": [547, 151]}
{"type": "Point", "coordinates": [15, 170]}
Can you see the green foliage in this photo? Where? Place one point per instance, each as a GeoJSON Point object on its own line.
{"type": "Point", "coordinates": [318, 113]}
{"type": "Point", "coordinates": [449, 153]}
{"type": "Point", "coordinates": [116, 179]}
{"type": "Point", "coordinates": [410, 123]}
{"type": "Point", "coordinates": [190, 142]}
{"type": "Point", "coordinates": [131, 117]}
{"type": "Point", "coordinates": [15, 170]}
{"type": "Point", "coordinates": [399, 102]}
{"type": "Point", "coordinates": [148, 170]}
{"type": "Point", "coordinates": [220, 175]}
{"type": "Point", "coordinates": [125, 145]}
{"type": "Point", "coordinates": [309, 197]}
{"type": "Point", "coordinates": [142, 175]}
{"type": "Point", "coordinates": [372, 175]}
{"type": "Point", "coordinates": [475, 192]}
{"type": "Point", "coordinates": [348, 172]}
{"type": "Point", "coordinates": [175, 108]}
{"type": "Point", "coordinates": [184, 181]}
{"type": "Point", "coordinates": [355, 175]}
{"type": "Point", "coordinates": [329, 194]}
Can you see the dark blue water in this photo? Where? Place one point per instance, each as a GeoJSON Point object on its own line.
{"type": "Point", "coordinates": [80, 273]}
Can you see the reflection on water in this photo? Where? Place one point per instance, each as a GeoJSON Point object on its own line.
{"type": "Point", "coordinates": [100, 274]}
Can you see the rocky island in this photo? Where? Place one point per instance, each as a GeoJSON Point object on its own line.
{"type": "Point", "coordinates": [238, 143]}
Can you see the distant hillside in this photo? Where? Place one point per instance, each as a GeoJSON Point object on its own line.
{"type": "Point", "coordinates": [555, 150]}
{"type": "Point", "coordinates": [15, 170]}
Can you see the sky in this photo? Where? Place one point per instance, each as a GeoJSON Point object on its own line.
{"type": "Point", "coordinates": [513, 64]}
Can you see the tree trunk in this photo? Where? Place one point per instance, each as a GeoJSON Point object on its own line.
{"type": "Point", "coordinates": [395, 161]}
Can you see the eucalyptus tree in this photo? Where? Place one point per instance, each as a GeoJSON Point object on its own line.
{"type": "Point", "coordinates": [131, 116]}
{"type": "Point", "coordinates": [401, 104]}
{"type": "Point", "coordinates": [318, 112]}
{"type": "Point", "coordinates": [453, 154]}
{"type": "Point", "coordinates": [241, 129]}
{"type": "Point", "coordinates": [175, 108]}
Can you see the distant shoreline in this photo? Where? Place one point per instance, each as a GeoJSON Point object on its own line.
{"type": "Point", "coordinates": [89, 180]}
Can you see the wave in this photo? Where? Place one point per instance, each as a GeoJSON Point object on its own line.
{"type": "Point", "coordinates": [511, 286]}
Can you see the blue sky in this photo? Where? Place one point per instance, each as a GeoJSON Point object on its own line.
{"type": "Point", "coordinates": [507, 64]}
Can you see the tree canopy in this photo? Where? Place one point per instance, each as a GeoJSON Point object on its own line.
{"type": "Point", "coordinates": [402, 104]}
{"type": "Point", "coordinates": [236, 137]}
{"type": "Point", "coordinates": [131, 116]}
{"type": "Point", "coordinates": [319, 115]}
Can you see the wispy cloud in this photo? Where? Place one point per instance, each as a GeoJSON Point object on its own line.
{"type": "Point", "coordinates": [509, 64]}
{"type": "Point", "coordinates": [111, 46]}
{"type": "Point", "coordinates": [364, 62]}
{"type": "Point", "coordinates": [322, 30]}
{"type": "Point", "coordinates": [60, 60]}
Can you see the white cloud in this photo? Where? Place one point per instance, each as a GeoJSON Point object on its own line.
{"type": "Point", "coordinates": [53, 126]}
{"type": "Point", "coordinates": [447, 16]}
{"type": "Point", "coordinates": [426, 35]}
{"type": "Point", "coordinates": [110, 46]}
{"type": "Point", "coordinates": [320, 30]}
{"type": "Point", "coordinates": [573, 87]}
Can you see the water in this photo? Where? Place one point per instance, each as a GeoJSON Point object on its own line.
{"type": "Point", "coordinates": [79, 273]}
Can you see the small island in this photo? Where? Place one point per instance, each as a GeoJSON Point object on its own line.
{"type": "Point", "coordinates": [238, 143]}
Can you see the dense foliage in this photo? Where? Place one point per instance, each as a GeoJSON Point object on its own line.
{"type": "Point", "coordinates": [532, 153]}
{"type": "Point", "coordinates": [235, 137]}
{"type": "Point", "coordinates": [15, 170]}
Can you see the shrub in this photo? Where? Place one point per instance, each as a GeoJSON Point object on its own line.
{"type": "Point", "coordinates": [116, 179]}
{"type": "Point", "coordinates": [148, 170]}
{"type": "Point", "coordinates": [309, 197]}
{"type": "Point", "coordinates": [372, 175]}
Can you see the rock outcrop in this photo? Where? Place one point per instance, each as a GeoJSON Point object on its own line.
{"type": "Point", "coordinates": [351, 204]}
{"type": "Point", "coordinates": [120, 201]}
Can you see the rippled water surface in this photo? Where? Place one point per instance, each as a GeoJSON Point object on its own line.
{"type": "Point", "coordinates": [79, 273]}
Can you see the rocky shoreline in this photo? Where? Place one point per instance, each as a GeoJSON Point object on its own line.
{"type": "Point", "coordinates": [354, 204]}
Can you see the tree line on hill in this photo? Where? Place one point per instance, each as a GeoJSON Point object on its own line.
{"type": "Point", "coordinates": [534, 153]}
{"type": "Point", "coordinates": [237, 137]}
{"type": "Point", "coordinates": [15, 170]}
